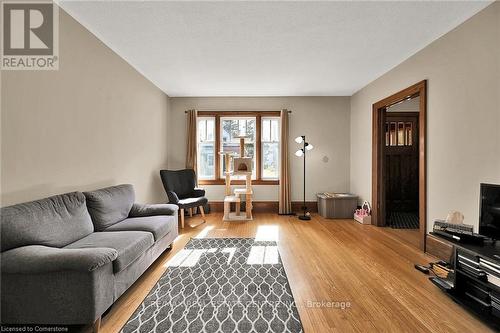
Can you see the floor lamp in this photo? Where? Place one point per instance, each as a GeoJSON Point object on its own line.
{"type": "Point", "coordinates": [302, 153]}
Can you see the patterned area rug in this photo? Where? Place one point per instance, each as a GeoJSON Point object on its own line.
{"type": "Point", "coordinates": [220, 285]}
{"type": "Point", "coordinates": [402, 220]}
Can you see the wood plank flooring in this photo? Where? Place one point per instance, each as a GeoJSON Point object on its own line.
{"type": "Point", "coordinates": [365, 267]}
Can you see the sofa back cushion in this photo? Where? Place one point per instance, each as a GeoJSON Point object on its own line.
{"type": "Point", "coordinates": [110, 205]}
{"type": "Point", "coordinates": [56, 221]}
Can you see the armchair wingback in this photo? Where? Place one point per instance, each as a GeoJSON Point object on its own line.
{"type": "Point", "coordinates": [181, 189]}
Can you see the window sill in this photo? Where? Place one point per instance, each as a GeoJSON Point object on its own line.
{"type": "Point", "coordinates": [237, 182]}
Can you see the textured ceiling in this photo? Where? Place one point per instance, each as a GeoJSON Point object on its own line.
{"type": "Point", "coordinates": [267, 48]}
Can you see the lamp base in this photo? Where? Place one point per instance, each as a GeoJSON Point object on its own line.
{"type": "Point", "coordinates": [304, 217]}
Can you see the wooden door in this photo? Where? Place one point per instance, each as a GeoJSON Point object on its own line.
{"type": "Point", "coordinates": [401, 162]}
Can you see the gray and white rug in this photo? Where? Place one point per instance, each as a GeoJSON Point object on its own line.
{"type": "Point", "coordinates": [220, 285]}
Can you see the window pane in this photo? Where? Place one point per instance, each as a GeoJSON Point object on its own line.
{"type": "Point", "coordinates": [206, 148]}
{"type": "Point", "coordinates": [270, 148]}
{"type": "Point", "coordinates": [231, 128]}
{"type": "Point", "coordinates": [270, 160]}
{"type": "Point", "coordinates": [266, 130]}
{"type": "Point", "coordinates": [206, 161]}
{"type": "Point", "coordinates": [202, 130]}
{"type": "Point", "coordinates": [275, 132]}
{"type": "Point", "coordinates": [210, 130]}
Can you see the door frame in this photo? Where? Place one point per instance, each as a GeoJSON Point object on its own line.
{"type": "Point", "coordinates": [378, 144]}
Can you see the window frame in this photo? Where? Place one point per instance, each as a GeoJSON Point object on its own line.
{"type": "Point", "coordinates": [258, 144]}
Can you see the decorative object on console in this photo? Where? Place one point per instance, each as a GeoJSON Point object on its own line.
{"type": "Point", "coordinates": [302, 153]}
{"type": "Point", "coordinates": [455, 217]}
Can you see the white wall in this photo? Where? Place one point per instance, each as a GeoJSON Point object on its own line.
{"type": "Point", "coordinates": [324, 121]}
{"type": "Point", "coordinates": [463, 73]}
{"type": "Point", "coordinates": [94, 122]}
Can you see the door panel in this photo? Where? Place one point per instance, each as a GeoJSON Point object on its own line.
{"type": "Point", "coordinates": [401, 162]}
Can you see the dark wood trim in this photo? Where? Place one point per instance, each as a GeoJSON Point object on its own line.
{"type": "Point", "coordinates": [237, 182]}
{"type": "Point", "coordinates": [217, 149]}
{"type": "Point", "coordinates": [438, 247]}
{"type": "Point", "coordinates": [258, 146]}
{"type": "Point", "coordinates": [312, 206]}
{"type": "Point", "coordinates": [266, 206]}
{"type": "Point", "coordinates": [378, 142]}
{"type": "Point", "coordinates": [239, 113]}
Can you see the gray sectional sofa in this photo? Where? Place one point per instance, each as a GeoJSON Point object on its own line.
{"type": "Point", "coordinates": [67, 258]}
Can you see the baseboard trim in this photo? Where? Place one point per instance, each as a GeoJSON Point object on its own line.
{"type": "Point", "coordinates": [266, 206]}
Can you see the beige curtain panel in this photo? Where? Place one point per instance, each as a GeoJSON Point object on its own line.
{"type": "Point", "coordinates": [191, 154]}
{"type": "Point", "coordinates": [285, 201]}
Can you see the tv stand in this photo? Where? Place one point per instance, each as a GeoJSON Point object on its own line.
{"type": "Point", "coordinates": [475, 283]}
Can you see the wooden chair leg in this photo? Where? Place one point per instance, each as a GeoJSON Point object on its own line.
{"type": "Point", "coordinates": [181, 212]}
{"type": "Point", "coordinates": [190, 212]}
{"type": "Point", "coordinates": [97, 325]}
{"type": "Point", "coordinates": [202, 211]}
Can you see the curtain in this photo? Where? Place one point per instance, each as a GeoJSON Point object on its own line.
{"type": "Point", "coordinates": [285, 201]}
{"type": "Point", "coordinates": [191, 154]}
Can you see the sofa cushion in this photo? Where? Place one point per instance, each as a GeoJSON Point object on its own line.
{"type": "Point", "coordinates": [55, 221]}
{"type": "Point", "coordinates": [159, 226]}
{"type": "Point", "coordinates": [129, 245]}
{"type": "Point", "coordinates": [38, 259]}
{"type": "Point", "coordinates": [110, 205]}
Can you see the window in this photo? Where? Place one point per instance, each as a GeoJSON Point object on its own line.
{"type": "Point", "coordinates": [206, 147]}
{"type": "Point", "coordinates": [398, 133]}
{"type": "Point", "coordinates": [270, 148]}
{"type": "Point", "coordinates": [220, 131]}
{"type": "Point", "coordinates": [231, 128]}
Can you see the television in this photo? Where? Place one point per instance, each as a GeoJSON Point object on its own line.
{"type": "Point", "coordinates": [489, 211]}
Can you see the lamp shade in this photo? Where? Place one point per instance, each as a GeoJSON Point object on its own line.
{"type": "Point", "coordinates": [299, 153]}
{"type": "Point", "coordinates": [298, 139]}
{"type": "Point", "coordinates": [309, 146]}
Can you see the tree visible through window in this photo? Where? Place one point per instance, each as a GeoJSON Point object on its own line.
{"type": "Point", "coordinates": [220, 131]}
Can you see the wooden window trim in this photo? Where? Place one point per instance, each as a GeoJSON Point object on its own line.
{"type": "Point", "coordinates": [258, 143]}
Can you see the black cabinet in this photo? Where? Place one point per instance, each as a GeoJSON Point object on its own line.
{"type": "Point", "coordinates": [475, 283]}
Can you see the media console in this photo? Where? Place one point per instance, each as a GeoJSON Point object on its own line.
{"type": "Point", "coordinates": [475, 281]}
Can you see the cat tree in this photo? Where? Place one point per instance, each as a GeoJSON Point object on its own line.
{"type": "Point", "coordinates": [241, 166]}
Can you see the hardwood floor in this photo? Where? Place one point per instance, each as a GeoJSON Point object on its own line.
{"type": "Point", "coordinates": [409, 236]}
{"type": "Point", "coordinates": [332, 261]}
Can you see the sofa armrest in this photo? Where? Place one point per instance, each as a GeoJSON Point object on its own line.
{"type": "Point", "coordinates": [142, 210]}
{"type": "Point", "coordinates": [35, 259]}
{"type": "Point", "coordinates": [198, 192]}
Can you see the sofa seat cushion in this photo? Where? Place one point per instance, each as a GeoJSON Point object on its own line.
{"type": "Point", "coordinates": [159, 226]}
{"type": "Point", "coordinates": [129, 245]}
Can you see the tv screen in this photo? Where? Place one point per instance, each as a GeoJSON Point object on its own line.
{"type": "Point", "coordinates": [489, 211]}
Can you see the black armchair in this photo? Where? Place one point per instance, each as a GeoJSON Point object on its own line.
{"type": "Point", "coordinates": [181, 189]}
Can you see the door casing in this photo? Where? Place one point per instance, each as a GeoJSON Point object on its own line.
{"type": "Point", "coordinates": [378, 142]}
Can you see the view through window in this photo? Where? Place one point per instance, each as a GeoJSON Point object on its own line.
{"type": "Point", "coordinates": [221, 131]}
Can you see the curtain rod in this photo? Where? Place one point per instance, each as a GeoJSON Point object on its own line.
{"type": "Point", "coordinates": [206, 110]}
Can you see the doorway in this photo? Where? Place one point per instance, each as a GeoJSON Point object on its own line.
{"type": "Point", "coordinates": [398, 164]}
